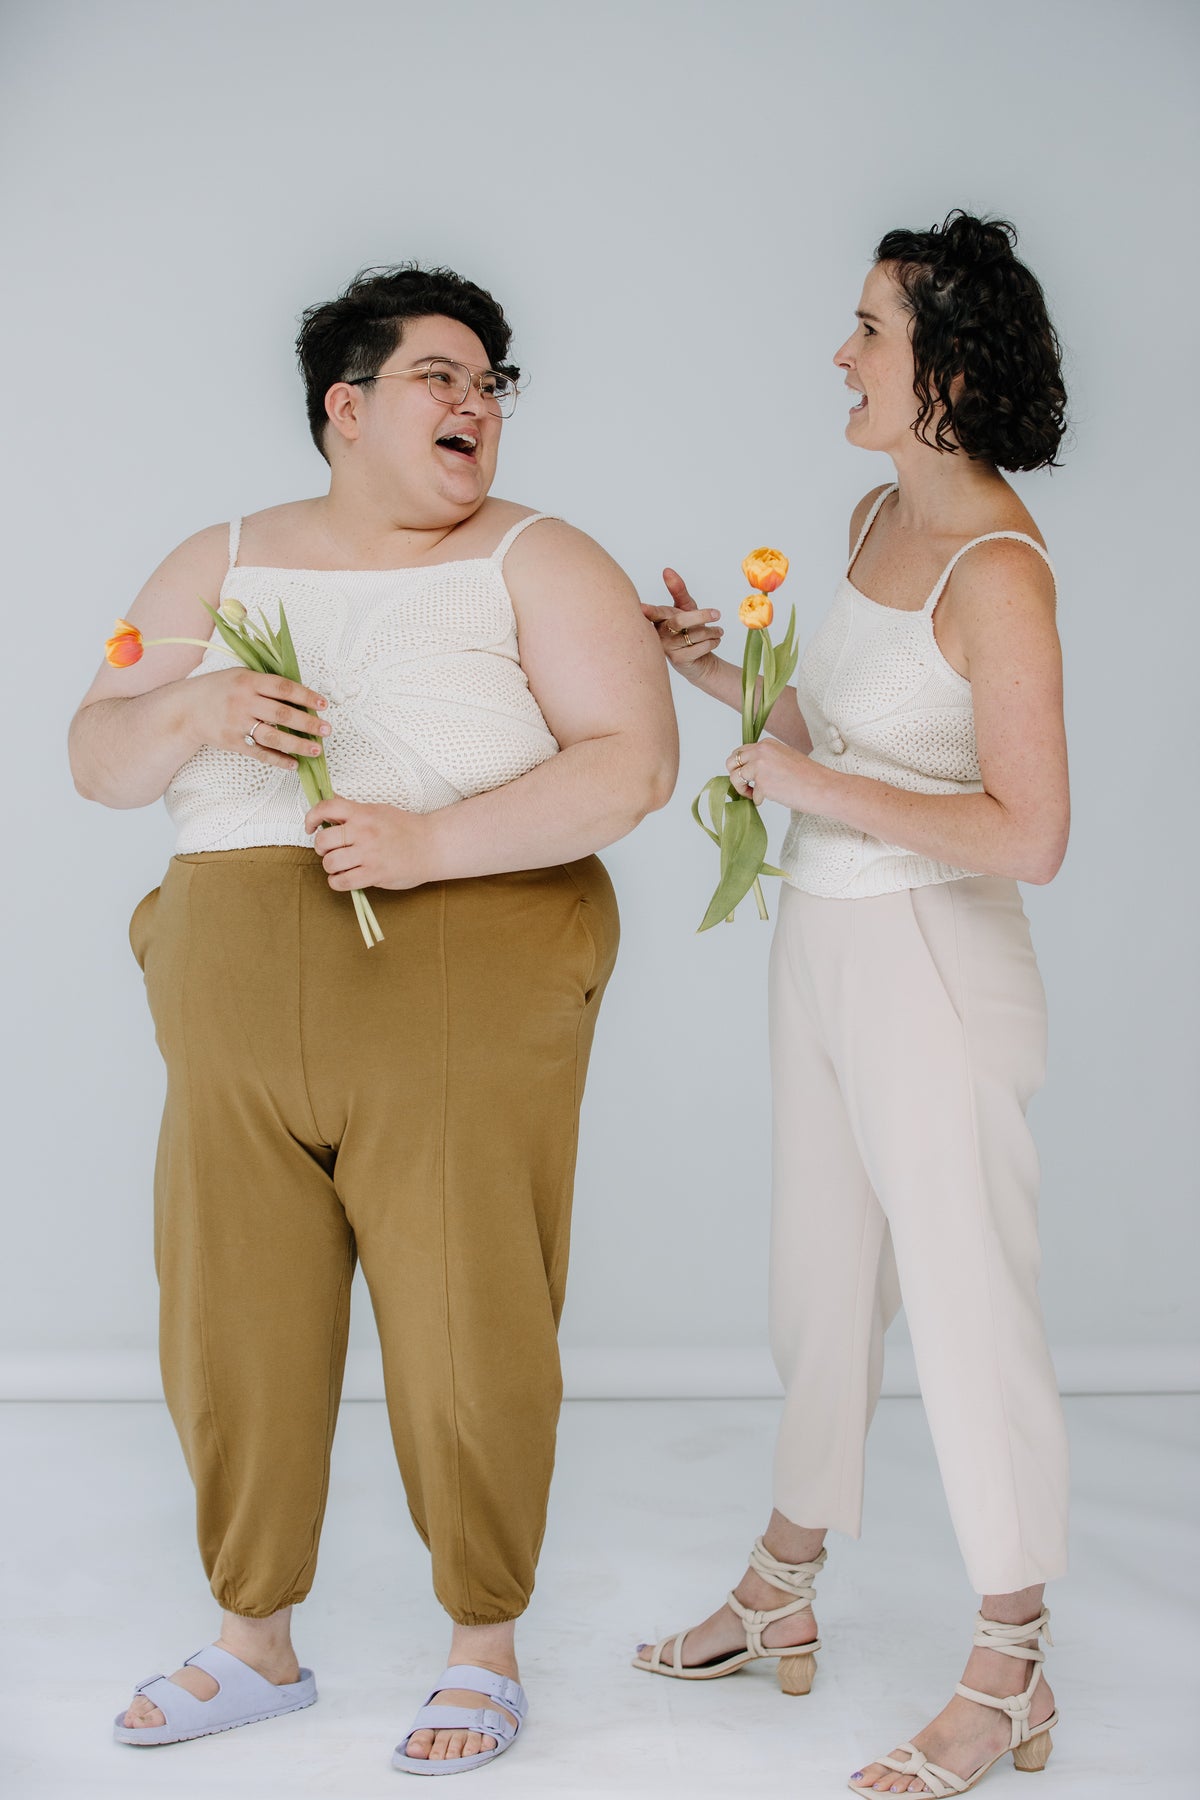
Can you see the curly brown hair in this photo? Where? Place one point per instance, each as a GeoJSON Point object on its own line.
{"type": "Point", "coordinates": [359, 330]}
{"type": "Point", "coordinates": [979, 313]}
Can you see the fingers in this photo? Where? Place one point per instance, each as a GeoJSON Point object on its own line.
{"type": "Point", "coordinates": [677, 588]}
{"type": "Point", "coordinates": [334, 811]}
{"type": "Point", "coordinates": [687, 637]}
{"type": "Point", "coordinates": [285, 729]}
{"type": "Point", "coordinates": [740, 767]}
{"type": "Point", "coordinates": [291, 693]}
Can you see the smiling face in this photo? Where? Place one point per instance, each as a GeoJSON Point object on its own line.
{"type": "Point", "coordinates": [879, 369]}
{"type": "Point", "coordinates": [434, 462]}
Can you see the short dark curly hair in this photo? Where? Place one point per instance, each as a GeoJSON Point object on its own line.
{"type": "Point", "coordinates": [357, 332]}
{"type": "Point", "coordinates": [979, 313]}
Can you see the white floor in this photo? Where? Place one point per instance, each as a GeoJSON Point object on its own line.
{"type": "Point", "coordinates": [654, 1506]}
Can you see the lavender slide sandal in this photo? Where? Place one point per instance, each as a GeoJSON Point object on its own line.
{"type": "Point", "coordinates": [460, 1718]}
{"type": "Point", "coordinates": [243, 1697]}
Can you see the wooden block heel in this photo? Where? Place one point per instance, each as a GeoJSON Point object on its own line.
{"type": "Point", "coordinates": [1034, 1753]}
{"type": "Point", "coordinates": [796, 1673]}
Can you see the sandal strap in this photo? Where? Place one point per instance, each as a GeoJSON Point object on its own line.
{"type": "Point", "coordinates": [940, 1782]}
{"type": "Point", "coordinates": [1011, 1640]}
{"type": "Point", "coordinates": [792, 1578]}
{"type": "Point", "coordinates": [991, 1634]}
{"type": "Point", "coordinates": [756, 1622]}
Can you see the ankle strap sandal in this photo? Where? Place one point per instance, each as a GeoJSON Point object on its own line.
{"type": "Point", "coordinates": [1030, 1746]}
{"type": "Point", "coordinates": [797, 1664]}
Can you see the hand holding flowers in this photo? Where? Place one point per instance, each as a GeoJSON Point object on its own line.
{"type": "Point", "coordinates": [736, 828]}
{"type": "Point", "coordinates": [270, 657]}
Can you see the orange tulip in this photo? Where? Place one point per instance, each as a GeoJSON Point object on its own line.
{"type": "Point", "coordinates": [756, 611]}
{"type": "Point", "coordinates": [124, 647]}
{"type": "Point", "coordinates": [765, 569]}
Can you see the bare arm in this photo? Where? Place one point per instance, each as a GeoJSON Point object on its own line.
{"type": "Point", "coordinates": [1003, 597]}
{"type": "Point", "coordinates": [135, 727]}
{"type": "Point", "coordinates": [596, 674]}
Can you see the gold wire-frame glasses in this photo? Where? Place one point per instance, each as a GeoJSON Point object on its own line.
{"type": "Point", "coordinates": [450, 382]}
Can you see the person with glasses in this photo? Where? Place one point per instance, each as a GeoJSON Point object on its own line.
{"type": "Point", "coordinates": [413, 1105]}
{"type": "Point", "coordinates": [923, 758]}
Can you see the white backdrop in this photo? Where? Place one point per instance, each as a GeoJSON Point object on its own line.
{"type": "Point", "coordinates": [668, 199]}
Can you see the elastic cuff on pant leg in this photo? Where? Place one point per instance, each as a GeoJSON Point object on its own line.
{"type": "Point", "coordinates": [230, 1603]}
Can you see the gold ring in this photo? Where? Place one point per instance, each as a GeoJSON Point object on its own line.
{"type": "Point", "coordinates": [687, 638]}
{"type": "Point", "coordinates": [737, 761]}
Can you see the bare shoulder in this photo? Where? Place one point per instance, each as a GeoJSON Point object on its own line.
{"type": "Point", "coordinates": [858, 517]}
{"type": "Point", "coordinates": [1002, 577]}
{"type": "Point", "coordinates": [556, 558]}
{"type": "Point", "coordinates": [196, 566]}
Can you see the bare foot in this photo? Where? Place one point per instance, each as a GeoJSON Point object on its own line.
{"type": "Point", "coordinates": [965, 1735]}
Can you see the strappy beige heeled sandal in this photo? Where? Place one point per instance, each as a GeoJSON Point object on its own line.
{"type": "Point", "coordinates": [797, 1665]}
{"type": "Point", "coordinates": [1030, 1748]}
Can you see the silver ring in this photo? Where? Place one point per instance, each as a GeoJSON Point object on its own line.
{"type": "Point", "coordinates": [250, 737]}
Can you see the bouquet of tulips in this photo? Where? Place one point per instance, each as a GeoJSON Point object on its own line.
{"type": "Point", "coordinates": [737, 828]}
{"type": "Point", "coordinates": [267, 652]}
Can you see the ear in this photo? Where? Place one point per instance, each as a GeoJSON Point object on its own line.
{"type": "Point", "coordinates": [343, 407]}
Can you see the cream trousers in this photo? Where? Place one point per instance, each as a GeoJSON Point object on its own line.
{"type": "Point", "coordinates": [907, 1038]}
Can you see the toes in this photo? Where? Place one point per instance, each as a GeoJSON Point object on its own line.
{"type": "Point", "coordinates": [419, 1744]}
{"type": "Point", "coordinates": [143, 1715]}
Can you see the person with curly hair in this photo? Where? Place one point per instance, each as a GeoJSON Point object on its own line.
{"type": "Point", "coordinates": [922, 754]}
{"type": "Point", "coordinates": [413, 1106]}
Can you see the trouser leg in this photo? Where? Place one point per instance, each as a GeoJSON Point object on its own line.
{"type": "Point", "coordinates": [832, 1284]}
{"type": "Point", "coordinates": [942, 1045]}
{"type": "Point", "coordinates": [462, 1216]}
{"type": "Point", "coordinates": [254, 1254]}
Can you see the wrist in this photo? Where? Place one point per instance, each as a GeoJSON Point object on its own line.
{"type": "Point", "coordinates": [425, 858]}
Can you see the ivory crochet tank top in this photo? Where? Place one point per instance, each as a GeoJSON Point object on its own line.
{"type": "Point", "coordinates": [880, 700]}
{"type": "Point", "coordinates": [427, 698]}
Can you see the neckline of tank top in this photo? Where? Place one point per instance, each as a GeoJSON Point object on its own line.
{"type": "Point", "coordinates": [922, 611]}
{"type": "Point", "coordinates": [452, 562]}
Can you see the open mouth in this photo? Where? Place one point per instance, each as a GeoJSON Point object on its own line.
{"type": "Point", "coordinates": [461, 443]}
{"type": "Point", "coordinates": [862, 403]}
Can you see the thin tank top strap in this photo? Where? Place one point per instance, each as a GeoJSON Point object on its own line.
{"type": "Point", "coordinates": [235, 538]}
{"type": "Point", "coordinates": [988, 537]}
{"type": "Point", "coordinates": [868, 522]}
{"type": "Point", "coordinates": [514, 531]}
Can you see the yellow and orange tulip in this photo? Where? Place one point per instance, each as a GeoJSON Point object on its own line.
{"type": "Point", "coordinates": [765, 569]}
{"type": "Point", "coordinates": [756, 611]}
{"type": "Point", "coordinates": [124, 647]}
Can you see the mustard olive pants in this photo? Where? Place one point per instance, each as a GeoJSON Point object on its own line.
{"type": "Point", "coordinates": [415, 1105]}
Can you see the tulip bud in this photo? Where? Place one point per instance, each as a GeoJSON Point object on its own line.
{"type": "Point", "coordinates": [232, 611]}
{"type": "Point", "coordinates": [756, 611]}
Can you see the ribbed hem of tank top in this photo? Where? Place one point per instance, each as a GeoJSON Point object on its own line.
{"type": "Point", "coordinates": [872, 882]}
{"type": "Point", "coordinates": [282, 855]}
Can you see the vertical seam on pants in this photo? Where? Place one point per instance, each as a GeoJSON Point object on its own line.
{"type": "Point", "coordinates": [851, 1108]}
{"type": "Point", "coordinates": [441, 1188]}
{"type": "Point", "coordinates": [198, 1256]}
{"type": "Point", "coordinates": [318, 1135]}
{"type": "Point", "coordinates": [331, 1421]}
{"type": "Point", "coordinates": [980, 1191]}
